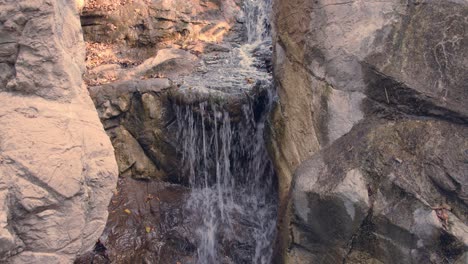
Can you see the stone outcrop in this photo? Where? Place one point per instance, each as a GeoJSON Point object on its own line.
{"type": "Point", "coordinates": [374, 200]}
{"type": "Point", "coordinates": [369, 138]}
{"type": "Point", "coordinates": [159, 23]}
{"type": "Point", "coordinates": [127, 33]}
{"type": "Point", "coordinates": [57, 167]}
{"type": "Point", "coordinates": [137, 115]}
{"type": "Point", "coordinates": [151, 65]}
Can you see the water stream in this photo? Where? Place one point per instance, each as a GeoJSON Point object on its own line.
{"type": "Point", "coordinates": [234, 196]}
{"type": "Point", "coordinates": [232, 181]}
{"type": "Point", "coordinates": [258, 19]}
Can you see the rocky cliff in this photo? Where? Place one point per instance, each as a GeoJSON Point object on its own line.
{"type": "Point", "coordinates": [57, 167]}
{"type": "Point", "coordinates": [369, 137]}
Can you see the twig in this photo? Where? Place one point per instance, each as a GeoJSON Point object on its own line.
{"type": "Point", "coordinates": [386, 95]}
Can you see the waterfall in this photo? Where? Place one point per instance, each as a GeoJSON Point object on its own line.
{"type": "Point", "coordinates": [232, 180]}
{"type": "Point", "coordinates": [223, 154]}
{"type": "Point", "coordinates": [257, 19]}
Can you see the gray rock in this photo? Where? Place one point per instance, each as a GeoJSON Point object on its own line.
{"type": "Point", "coordinates": [385, 208]}
{"type": "Point", "coordinates": [137, 115]}
{"type": "Point", "coordinates": [373, 92]}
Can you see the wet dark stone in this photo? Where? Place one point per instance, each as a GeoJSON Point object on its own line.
{"type": "Point", "coordinates": [146, 225]}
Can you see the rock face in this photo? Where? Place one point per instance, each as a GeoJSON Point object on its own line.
{"type": "Point", "coordinates": [147, 223]}
{"type": "Point", "coordinates": [57, 168]}
{"type": "Point", "coordinates": [157, 70]}
{"type": "Point", "coordinates": [125, 33]}
{"type": "Point", "coordinates": [373, 121]}
{"type": "Point", "coordinates": [159, 23]}
{"type": "Point", "coordinates": [137, 115]}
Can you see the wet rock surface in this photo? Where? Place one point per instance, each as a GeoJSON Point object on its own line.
{"type": "Point", "coordinates": [178, 57]}
{"type": "Point", "coordinates": [137, 116]}
{"type": "Point", "coordinates": [371, 131]}
{"type": "Point", "coordinates": [227, 73]}
{"type": "Point", "coordinates": [149, 225]}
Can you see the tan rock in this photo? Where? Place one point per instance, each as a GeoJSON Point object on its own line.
{"type": "Point", "coordinates": [57, 167]}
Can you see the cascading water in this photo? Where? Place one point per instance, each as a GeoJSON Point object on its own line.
{"type": "Point", "coordinates": [227, 72]}
{"type": "Point", "coordinates": [232, 181]}
{"type": "Point", "coordinates": [258, 20]}
{"type": "Point", "coordinates": [233, 190]}
{"type": "Point", "coordinates": [223, 209]}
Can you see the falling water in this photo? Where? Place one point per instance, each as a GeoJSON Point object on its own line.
{"type": "Point", "coordinates": [232, 181]}
{"type": "Point", "coordinates": [258, 20]}
{"type": "Point", "coordinates": [224, 157]}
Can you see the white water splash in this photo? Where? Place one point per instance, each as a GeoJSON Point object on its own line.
{"type": "Point", "coordinates": [232, 180]}
{"type": "Point", "coordinates": [227, 72]}
{"type": "Point", "coordinates": [257, 19]}
{"type": "Point", "coordinates": [233, 195]}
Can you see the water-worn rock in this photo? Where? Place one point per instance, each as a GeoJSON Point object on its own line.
{"type": "Point", "coordinates": [148, 225]}
{"type": "Point", "coordinates": [373, 102]}
{"type": "Point", "coordinates": [57, 168]}
{"type": "Point", "coordinates": [137, 116]}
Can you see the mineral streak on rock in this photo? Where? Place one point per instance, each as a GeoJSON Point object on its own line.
{"type": "Point", "coordinates": [370, 132]}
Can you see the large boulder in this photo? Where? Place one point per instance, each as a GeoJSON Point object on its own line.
{"type": "Point", "coordinates": [378, 193]}
{"type": "Point", "coordinates": [57, 167]}
{"type": "Point", "coordinates": [352, 75]}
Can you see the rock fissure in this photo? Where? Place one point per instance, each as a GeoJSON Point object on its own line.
{"type": "Point", "coordinates": [22, 171]}
{"type": "Point", "coordinates": [362, 229]}
{"type": "Point", "coordinates": [408, 100]}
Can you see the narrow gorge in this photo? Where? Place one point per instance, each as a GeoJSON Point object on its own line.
{"type": "Point", "coordinates": [188, 124]}
{"type": "Point", "coordinates": [233, 131]}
